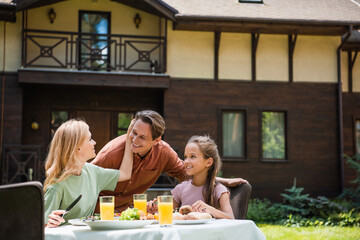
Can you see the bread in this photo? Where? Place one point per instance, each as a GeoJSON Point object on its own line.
{"type": "Point", "coordinates": [178, 216]}
{"type": "Point", "coordinates": [185, 209]}
{"type": "Point", "coordinates": [197, 216]}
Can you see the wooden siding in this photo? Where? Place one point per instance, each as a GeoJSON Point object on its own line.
{"type": "Point", "coordinates": [192, 107]}
{"type": "Point", "coordinates": [12, 109]}
{"type": "Point", "coordinates": [351, 111]}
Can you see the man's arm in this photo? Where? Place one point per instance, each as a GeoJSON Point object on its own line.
{"type": "Point", "coordinates": [231, 182]}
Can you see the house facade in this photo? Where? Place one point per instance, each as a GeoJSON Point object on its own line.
{"type": "Point", "coordinates": [275, 83]}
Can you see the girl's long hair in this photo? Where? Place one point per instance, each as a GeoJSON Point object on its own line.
{"type": "Point", "coordinates": [209, 150]}
{"type": "Point", "coordinates": [62, 158]}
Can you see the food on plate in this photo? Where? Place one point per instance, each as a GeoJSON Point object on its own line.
{"type": "Point", "coordinates": [135, 214]}
{"type": "Point", "coordinates": [149, 216]}
{"type": "Point", "coordinates": [130, 214]}
{"type": "Point", "coordinates": [186, 213]}
{"type": "Point", "coordinates": [91, 218]}
{"type": "Point", "coordinates": [185, 209]}
{"type": "Point", "coordinates": [178, 216]}
{"type": "Point", "coordinates": [198, 216]}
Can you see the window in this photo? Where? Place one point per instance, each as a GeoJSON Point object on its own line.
{"type": "Point", "coordinates": [233, 134]}
{"type": "Point", "coordinates": [57, 118]}
{"type": "Point", "coordinates": [357, 135]}
{"type": "Point", "coordinates": [273, 135]}
{"type": "Point", "coordinates": [123, 122]}
{"type": "Point", "coordinates": [250, 1]}
{"type": "Point", "coordinates": [94, 49]}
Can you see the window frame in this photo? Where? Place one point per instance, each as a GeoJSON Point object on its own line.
{"type": "Point", "coordinates": [355, 118]}
{"type": "Point", "coordinates": [57, 110]}
{"type": "Point", "coordinates": [221, 110]}
{"type": "Point", "coordinates": [286, 125]}
{"type": "Point", "coordinates": [252, 1]}
{"type": "Point", "coordinates": [114, 125]}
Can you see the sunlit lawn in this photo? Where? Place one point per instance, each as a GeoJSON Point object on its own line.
{"type": "Point", "coordinates": [301, 233]}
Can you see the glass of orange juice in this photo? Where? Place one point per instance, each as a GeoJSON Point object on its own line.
{"type": "Point", "coordinates": [165, 209]}
{"type": "Point", "coordinates": [140, 202]}
{"type": "Point", "coordinates": [107, 208]}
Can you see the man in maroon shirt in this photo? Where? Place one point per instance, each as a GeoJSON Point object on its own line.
{"type": "Point", "coordinates": [152, 157]}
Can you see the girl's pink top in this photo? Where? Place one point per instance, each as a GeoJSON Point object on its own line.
{"type": "Point", "coordinates": [187, 194]}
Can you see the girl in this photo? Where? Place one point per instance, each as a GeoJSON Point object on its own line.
{"type": "Point", "coordinates": [68, 174]}
{"type": "Point", "coordinates": [203, 193]}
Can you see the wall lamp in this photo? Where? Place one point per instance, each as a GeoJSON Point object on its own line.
{"type": "Point", "coordinates": [137, 20]}
{"type": "Point", "coordinates": [52, 15]}
{"type": "Point", "coordinates": [35, 125]}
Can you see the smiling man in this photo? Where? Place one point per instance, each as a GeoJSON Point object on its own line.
{"type": "Point", "coordinates": [152, 157]}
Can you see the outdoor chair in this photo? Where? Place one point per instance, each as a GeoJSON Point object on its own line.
{"type": "Point", "coordinates": [22, 211]}
{"type": "Point", "coordinates": [239, 199]}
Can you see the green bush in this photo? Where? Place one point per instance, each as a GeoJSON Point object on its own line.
{"type": "Point", "coordinates": [352, 195]}
{"type": "Point", "coordinates": [263, 211]}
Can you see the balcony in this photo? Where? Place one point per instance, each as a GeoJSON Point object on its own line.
{"type": "Point", "coordinates": [93, 52]}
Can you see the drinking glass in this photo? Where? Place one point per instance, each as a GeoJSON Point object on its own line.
{"type": "Point", "coordinates": [107, 208]}
{"type": "Point", "coordinates": [165, 209]}
{"type": "Point", "coordinates": [140, 202]}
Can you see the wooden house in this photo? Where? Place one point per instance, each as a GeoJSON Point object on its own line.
{"type": "Point", "coordinates": [276, 83]}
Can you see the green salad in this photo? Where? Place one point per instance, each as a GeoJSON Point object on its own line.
{"type": "Point", "coordinates": [130, 214]}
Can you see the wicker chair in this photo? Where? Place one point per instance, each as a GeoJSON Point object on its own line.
{"type": "Point", "coordinates": [239, 199]}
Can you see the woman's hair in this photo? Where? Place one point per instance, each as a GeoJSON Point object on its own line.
{"type": "Point", "coordinates": [209, 150]}
{"type": "Point", "coordinates": [62, 158]}
{"type": "Point", "coordinates": [155, 120]}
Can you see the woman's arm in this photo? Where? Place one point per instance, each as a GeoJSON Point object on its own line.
{"type": "Point", "coordinates": [127, 162]}
{"type": "Point", "coordinates": [225, 212]}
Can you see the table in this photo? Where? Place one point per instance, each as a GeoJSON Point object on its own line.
{"type": "Point", "coordinates": [213, 230]}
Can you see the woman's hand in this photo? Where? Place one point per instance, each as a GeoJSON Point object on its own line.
{"type": "Point", "coordinates": [55, 218]}
{"type": "Point", "coordinates": [130, 128]}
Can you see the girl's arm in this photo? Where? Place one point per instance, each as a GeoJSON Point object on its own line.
{"type": "Point", "coordinates": [127, 162]}
{"type": "Point", "coordinates": [225, 212]}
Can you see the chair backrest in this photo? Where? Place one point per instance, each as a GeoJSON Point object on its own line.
{"type": "Point", "coordinates": [22, 211]}
{"type": "Point", "coordinates": [239, 199]}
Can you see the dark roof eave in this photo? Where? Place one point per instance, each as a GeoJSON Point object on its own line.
{"type": "Point", "coordinates": [7, 12]}
{"type": "Point", "coordinates": [180, 17]}
{"type": "Point", "coordinates": [263, 25]}
{"type": "Point", "coordinates": [164, 8]}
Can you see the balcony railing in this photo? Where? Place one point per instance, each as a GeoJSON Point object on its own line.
{"type": "Point", "coordinates": [97, 52]}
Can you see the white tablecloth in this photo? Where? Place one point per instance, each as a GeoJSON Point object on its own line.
{"type": "Point", "coordinates": [212, 230]}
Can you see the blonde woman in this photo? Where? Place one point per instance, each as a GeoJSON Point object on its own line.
{"type": "Point", "coordinates": [68, 174]}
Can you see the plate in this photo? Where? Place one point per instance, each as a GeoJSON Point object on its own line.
{"type": "Point", "coordinates": [185, 222]}
{"type": "Point", "coordinates": [77, 222]}
{"type": "Point", "coordinates": [117, 224]}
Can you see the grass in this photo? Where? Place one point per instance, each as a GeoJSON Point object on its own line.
{"type": "Point", "coordinates": [301, 233]}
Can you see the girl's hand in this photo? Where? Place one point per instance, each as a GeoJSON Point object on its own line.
{"type": "Point", "coordinates": [152, 206]}
{"type": "Point", "coordinates": [55, 218]}
{"type": "Point", "coordinates": [200, 206]}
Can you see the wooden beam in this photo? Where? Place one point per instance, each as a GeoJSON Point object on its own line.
{"type": "Point", "coordinates": [260, 27]}
{"type": "Point", "coordinates": [217, 36]}
{"type": "Point", "coordinates": [292, 42]}
{"type": "Point", "coordinates": [93, 78]}
{"type": "Point", "coordinates": [254, 43]}
{"type": "Point", "coordinates": [351, 63]}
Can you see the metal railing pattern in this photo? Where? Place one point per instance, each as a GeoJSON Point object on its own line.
{"type": "Point", "coordinates": [98, 52]}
